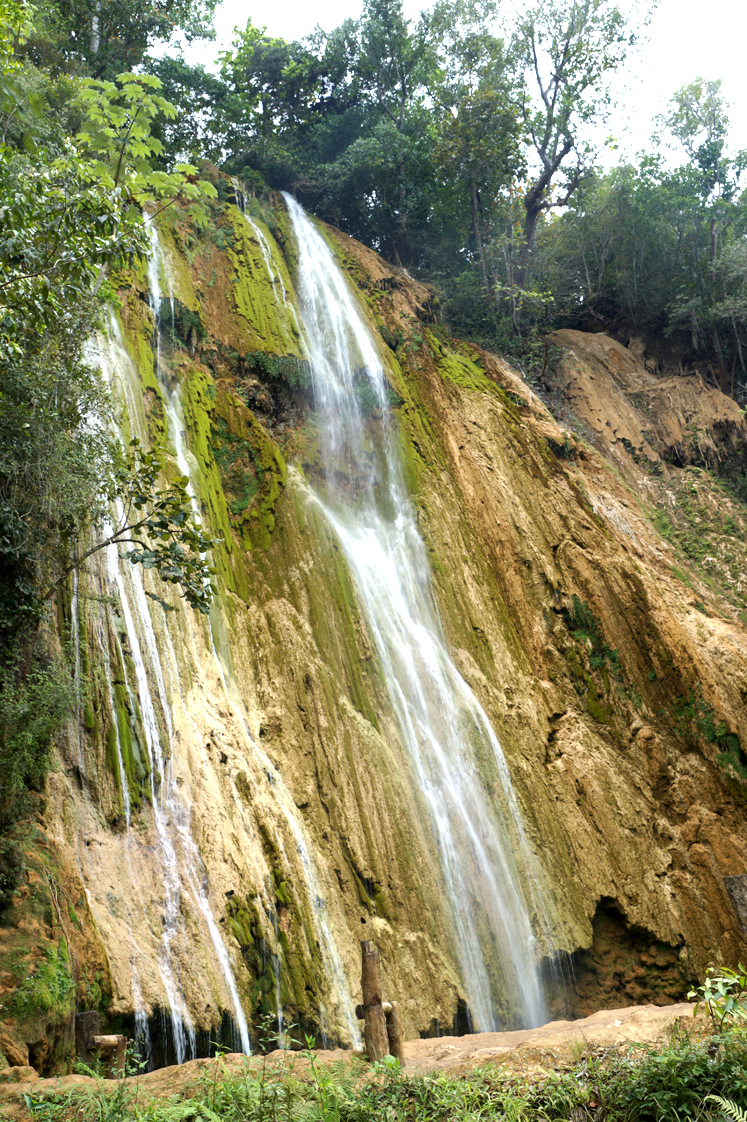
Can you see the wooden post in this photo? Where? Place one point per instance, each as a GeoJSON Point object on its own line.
{"type": "Point", "coordinates": [87, 1025]}
{"type": "Point", "coordinates": [394, 1033]}
{"type": "Point", "coordinates": [91, 1046]}
{"type": "Point", "coordinates": [375, 1033]}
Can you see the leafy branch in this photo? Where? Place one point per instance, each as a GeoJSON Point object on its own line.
{"type": "Point", "coordinates": [724, 996]}
{"type": "Point", "coordinates": [161, 528]}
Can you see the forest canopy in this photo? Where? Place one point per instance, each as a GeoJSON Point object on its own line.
{"type": "Point", "coordinates": [472, 159]}
{"type": "Point", "coordinates": [467, 155]}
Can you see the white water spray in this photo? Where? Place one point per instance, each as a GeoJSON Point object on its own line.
{"type": "Point", "coordinates": [473, 812]}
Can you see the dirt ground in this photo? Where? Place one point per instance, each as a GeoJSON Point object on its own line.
{"type": "Point", "coordinates": [554, 1045]}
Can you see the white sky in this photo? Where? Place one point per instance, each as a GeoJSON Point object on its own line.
{"type": "Point", "coordinates": [686, 39]}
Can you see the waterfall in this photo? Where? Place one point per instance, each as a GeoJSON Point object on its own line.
{"type": "Point", "coordinates": [181, 1024]}
{"type": "Point", "coordinates": [301, 856]}
{"type": "Point", "coordinates": [488, 871]}
{"type": "Point", "coordinates": [179, 858]}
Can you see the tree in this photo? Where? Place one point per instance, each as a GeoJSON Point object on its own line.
{"type": "Point", "coordinates": [57, 229]}
{"type": "Point", "coordinates": [698, 119]}
{"type": "Point", "coordinates": [276, 80]}
{"type": "Point", "coordinates": [197, 132]}
{"type": "Point", "coordinates": [466, 53]}
{"type": "Point", "coordinates": [478, 146]}
{"type": "Point", "coordinates": [394, 68]}
{"type": "Point", "coordinates": [102, 38]}
{"type": "Point", "coordinates": [119, 147]}
{"type": "Point", "coordinates": [570, 49]}
{"type": "Point", "coordinates": [159, 524]}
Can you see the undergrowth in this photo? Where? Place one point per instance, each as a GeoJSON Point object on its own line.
{"type": "Point", "coordinates": [239, 469]}
{"type": "Point", "coordinates": [583, 625]}
{"type": "Point", "coordinates": [590, 648]}
{"type": "Point", "coordinates": [643, 1083]}
{"type": "Point", "coordinates": [704, 520]}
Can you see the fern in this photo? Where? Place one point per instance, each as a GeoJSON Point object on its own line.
{"type": "Point", "coordinates": [730, 1109]}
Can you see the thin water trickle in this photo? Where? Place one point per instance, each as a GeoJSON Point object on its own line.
{"type": "Point", "coordinates": [181, 1022]}
{"type": "Point", "coordinates": [276, 973]}
{"type": "Point", "coordinates": [283, 298]}
{"type": "Point", "coordinates": [75, 642]}
{"type": "Point", "coordinates": [489, 873]}
{"type": "Point", "coordinates": [143, 1042]}
{"type": "Point", "coordinates": [313, 881]}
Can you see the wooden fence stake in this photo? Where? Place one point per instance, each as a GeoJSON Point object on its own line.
{"type": "Point", "coordinates": [394, 1033]}
{"type": "Point", "coordinates": [91, 1046]}
{"type": "Point", "coordinates": [375, 1031]}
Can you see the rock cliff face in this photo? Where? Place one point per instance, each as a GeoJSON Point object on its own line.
{"type": "Point", "coordinates": [600, 634]}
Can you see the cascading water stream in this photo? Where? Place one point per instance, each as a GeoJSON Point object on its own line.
{"type": "Point", "coordinates": [181, 1023]}
{"type": "Point", "coordinates": [75, 643]}
{"type": "Point", "coordinates": [477, 827]}
{"type": "Point", "coordinates": [106, 663]}
{"type": "Point", "coordinates": [330, 955]}
{"type": "Point", "coordinates": [170, 817]}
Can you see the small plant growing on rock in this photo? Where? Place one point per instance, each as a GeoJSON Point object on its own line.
{"type": "Point", "coordinates": [724, 995]}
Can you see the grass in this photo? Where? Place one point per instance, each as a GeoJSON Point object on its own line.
{"type": "Point", "coordinates": [672, 1082]}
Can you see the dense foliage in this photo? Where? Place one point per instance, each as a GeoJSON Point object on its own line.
{"type": "Point", "coordinates": [472, 158]}
{"type": "Point", "coordinates": [77, 167]}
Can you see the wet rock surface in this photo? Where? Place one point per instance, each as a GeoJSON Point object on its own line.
{"type": "Point", "coordinates": [612, 670]}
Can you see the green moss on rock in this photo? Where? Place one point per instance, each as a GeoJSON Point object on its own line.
{"type": "Point", "coordinates": [269, 322]}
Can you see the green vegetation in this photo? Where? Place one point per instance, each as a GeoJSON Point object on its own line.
{"type": "Point", "coordinates": [681, 1079]}
{"type": "Point", "coordinates": [49, 990]}
{"type": "Point", "coordinates": [695, 718]}
{"type": "Point", "coordinates": [724, 995]}
{"type": "Point", "coordinates": [703, 517]}
{"type": "Point", "coordinates": [591, 653]}
{"type": "Point", "coordinates": [291, 369]}
{"type": "Point", "coordinates": [180, 324]}
{"type": "Point", "coordinates": [584, 626]}
{"type": "Point", "coordinates": [238, 469]}
{"type": "Point", "coordinates": [77, 166]}
{"type": "Point", "coordinates": [33, 704]}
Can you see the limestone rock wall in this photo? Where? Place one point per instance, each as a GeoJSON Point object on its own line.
{"type": "Point", "coordinates": [617, 692]}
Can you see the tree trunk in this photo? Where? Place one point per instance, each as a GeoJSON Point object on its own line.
{"type": "Point", "coordinates": [534, 209]}
{"type": "Point", "coordinates": [96, 29]}
{"type": "Point", "coordinates": [401, 237]}
{"type": "Point", "coordinates": [738, 345]}
{"type": "Point", "coordinates": [478, 238]}
{"type": "Point", "coordinates": [394, 1034]}
{"type": "Point", "coordinates": [723, 373]}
